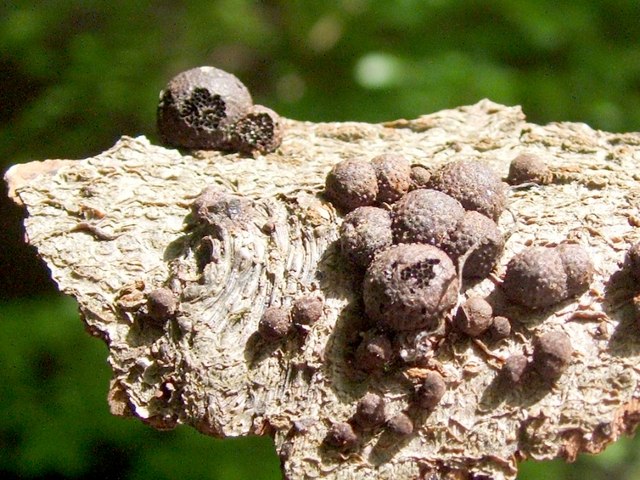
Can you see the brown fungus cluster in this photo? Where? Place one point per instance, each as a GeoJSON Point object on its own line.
{"type": "Point", "coordinates": [539, 277]}
{"type": "Point", "coordinates": [209, 109]}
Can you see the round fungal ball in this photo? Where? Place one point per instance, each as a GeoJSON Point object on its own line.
{"type": "Point", "coordinates": [394, 176]}
{"type": "Point", "coordinates": [275, 324]}
{"type": "Point", "coordinates": [409, 287]}
{"type": "Point", "coordinates": [539, 277]}
{"type": "Point", "coordinates": [198, 106]}
{"type": "Point", "coordinates": [528, 168]}
{"type": "Point", "coordinates": [259, 131]}
{"type": "Point", "coordinates": [474, 185]}
{"type": "Point", "coordinates": [341, 436]}
{"type": "Point", "coordinates": [536, 278]}
{"type": "Point", "coordinates": [373, 354]}
{"type": "Point", "coordinates": [420, 177]}
{"type": "Point", "coordinates": [369, 412]}
{"type": "Point", "coordinates": [400, 425]}
{"type": "Point", "coordinates": [552, 354]}
{"type": "Point", "coordinates": [431, 391]}
{"type": "Point", "coordinates": [480, 236]}
{"type": "Point", "coordinates": [307, 310]}
{"type": "Point", "coordinates": [514, 368]}
{"type": "Point", "coordinates": [364, 232]}
{"type": "Point", "coordinates": [578, 267]}
{"type": "Point", "coordinates": [500, 328]}
{"type": "Point", "coordinates": [161, 303]}
{"type": "Point", "coordinates": [426, 216]}
{"type": "Point", "coordinates": [351, 184]}
{"type": "Point", "coordinates": [474, 317]}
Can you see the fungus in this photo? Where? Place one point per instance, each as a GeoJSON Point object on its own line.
{"type": "Point", "coordinates": [410, 287]}
{"type": "Point", "coordinates": [351, 184]}
{"type": "Point", "coordinates": [274, 324]}
{"type": "Point", "coordinates": [480, 237]}
{"type": "Point", "coordinates": [259, 131]}
{"type": "Point", "coordinates": [426, 216]}
{"type": "Point", "coordinates": [474, 317]}
{"type": "Point", "coordinates": [198, 107]}
{"type": "Point", "coordinates": [552, 354]}
{"type": "Point", "coordinates": [473, 184]}
{"type": "Point", "coordinates": [394, 176]}
{"type": "Point", "coordinates": [528, 168]}
{"type": "Point", "coordinates": [369, 412]}
{"type": "Point", "coordinates": [430, 391]}
{"type": "Point", "coordinates": [364, 232]}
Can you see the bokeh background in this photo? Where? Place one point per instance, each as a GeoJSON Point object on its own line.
{"type": "Point", "coordinates": [75, 75]}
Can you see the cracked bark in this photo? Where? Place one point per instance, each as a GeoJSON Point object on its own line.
{"type": "Point", "coordinates": [114, 227]}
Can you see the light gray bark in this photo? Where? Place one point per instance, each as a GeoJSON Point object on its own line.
{"type": "Point", "coordinates": [114, 227]}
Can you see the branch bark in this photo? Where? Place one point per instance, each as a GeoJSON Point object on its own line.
{"type": "Point", "coordinates": [114, 227]}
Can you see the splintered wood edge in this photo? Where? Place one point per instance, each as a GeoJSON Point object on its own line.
{"type": "Point", "coordinates": [115, 226]}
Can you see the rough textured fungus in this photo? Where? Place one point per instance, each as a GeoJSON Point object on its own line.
{"type": "Point", "coordinates": [115, 227]}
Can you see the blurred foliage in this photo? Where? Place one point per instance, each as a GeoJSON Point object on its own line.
{"type": "Point", "coordinates": [78, 74]}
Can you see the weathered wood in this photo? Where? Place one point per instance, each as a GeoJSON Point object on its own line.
{"type": "Point", "coordinates": [114, 227]}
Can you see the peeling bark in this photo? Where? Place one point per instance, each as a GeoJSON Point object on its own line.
{"type": "Point", "coordinates": [114, 227]}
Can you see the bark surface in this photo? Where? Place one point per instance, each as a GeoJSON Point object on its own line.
{"type": "Point", "coordinates": [114, 227]}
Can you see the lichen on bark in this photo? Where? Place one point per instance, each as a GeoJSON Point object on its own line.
{"type": "Point", "coordinates": [114, 227]}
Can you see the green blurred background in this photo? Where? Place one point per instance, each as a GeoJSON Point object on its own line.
{"type": "Point", "coordinates": [78, 74]}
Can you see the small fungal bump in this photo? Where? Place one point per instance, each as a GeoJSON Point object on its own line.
{"type": "Point", "coordinates": [500, 328]}
{"type": "Point", "coordinates": [552, 353]}
{"type": "Point", "coordinates": [373, 354]}
{"type": "Point", "coordinates": [474, 317]}
{"type": "Point", "coordinates": [475, 185]}
{"type": "Point", "coordinates": [528, 168]}
{"type": "Point", "coordinates": [514, 368]}
{"type": "Point", "coordinates": [351, 184]}
{"type": "Point", "coordinates": [341, 436]}
{"type": "Point", "coordinates": [400, 425]}
{"type": "Point", "coordinates": [364, 232]}
{"type": "Point", "coordinates": [275, 324]}
{"type": "Point", "coordinates": [420, 177]}
{"type": "Point", "coordinates": [213, 205]}
{"type": "Point", "coordinates": [307, 310]}
{"type": "Point", "coordinates": [410, 287]}
{"type": "Point", "coordinates": [430, 391]}
{"type": "Point", "coordinates": [393, 172]}
{"type": "Point", "coordinates": [161, 304]}
{"type": "Point", "coordinates": [370, 412]}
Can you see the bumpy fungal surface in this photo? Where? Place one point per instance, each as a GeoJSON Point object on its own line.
{"type": "Point", "coordinates": [351, 184]}
{"type": "Point", "coordinates": [198, 106]}
{"type": "Point", "coordinates": [540, 277]}
{"type": "Point", "coordinates": [409, 287]}
{"type": "Point", "coordinates": [480, 237]}
{"type": "Point", "coordinates": [364, 232]}
{"type": "Point", "coordinates": [426, 216]}
{"type": "Point", "coordinates": [529, 168]}
{"type": "Point", "coordinates": [394, 176]}
{"type": "Point", "coordinates": [475, 185]}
